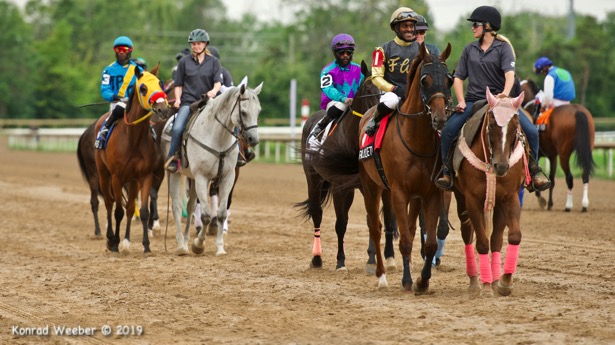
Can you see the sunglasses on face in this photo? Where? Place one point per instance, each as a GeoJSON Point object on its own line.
{"type": "Point", "coordinates": [344, 51]}
{"type": "Point", "coordinates": [476, 25]}
{"type": "Point", "coordinates": [422, 32]}
{"type": "Point", "coordinates": [122, 49]}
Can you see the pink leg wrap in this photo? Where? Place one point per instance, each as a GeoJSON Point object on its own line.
{"type": "Point", "coordinates": [316, 249]}
{"type": "Point", "coordinates": [496, 265]}
{"type": "Point", "coordinates": [471, 268]}
{"type": "Point", "coordinates": [512, 254]}
{"type": "Point", "coordinates": [485, 268]}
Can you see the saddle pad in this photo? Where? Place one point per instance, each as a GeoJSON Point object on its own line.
{"type": "Point", "coordinates": [368, 145]}
{"type": "Point", "coordinates": [543, 119]}
{"type": "Point", "coordinates": [469, 130]}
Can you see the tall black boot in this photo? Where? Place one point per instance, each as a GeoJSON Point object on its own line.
{"type": "Point", "coordinates": [381, 110]}
{"type": "Point", "coordinates": [320, 126]}
{"type": "Point", "coordinates": [101, 138]}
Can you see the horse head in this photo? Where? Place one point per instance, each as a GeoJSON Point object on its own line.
{"type": "Point", "coordinates": [502, 128]}
{"type": "Point", "coordinates": [367, 94]}
{"type": "Point", "coordinates": [530, 103]}
{"type": "Point", "coordinates": [150, 94]}
{"type": "Point", "coordinates": [435, 83]}
{"type": "Point", "coordinates": [246, 118]}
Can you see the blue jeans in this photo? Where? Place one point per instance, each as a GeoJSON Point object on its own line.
{"type": "Point", "coordinates": [457, 120]}
{"type": "Point", "coordinates": [178, 128]}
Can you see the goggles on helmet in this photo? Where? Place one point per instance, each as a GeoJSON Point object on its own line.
{"type": "Point", "coordinates": [122, 49]}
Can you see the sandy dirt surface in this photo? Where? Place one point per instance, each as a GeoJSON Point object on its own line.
{"type": "Point", "coordinates": [263, 292]}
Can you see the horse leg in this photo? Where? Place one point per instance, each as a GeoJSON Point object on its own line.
{"type": "Point", "coordinates": [431, 206]}
{"type": "Point", "coordinates": [513, 215]}
{"type": "Point", "coordinates": [213, 209]}
{"type": "Point", "coordinates": [564, 161]}
{"type": "Point", "coordinates": [201, 184]}
{"type": "Point", "coordinates": [224, 190]}
{"type": "Point", "coordinates": [552, 171]}
{"type": "Point", "coordinates": [443, 226]}
{"type": "Point", "coordinates": [407, 230]}
{"type": "Point", "coordinates": [146, 187]}
{"type": "Point", "coordinates": [317, 187]}
{"type": "Point", "coordinates": [191, 206]}
{"type": "Point", "coordinates": [108, 199]}
{"type": "Point", "coordinates": [500, 215]}
{"type": "Point", "coordinates": [119, 211]}
{"type": "Point", "coordinates": [176, 189]}
{"type": "Point", "coordinates": [342, 201]}
{"type": "Point", "coordinates": [153, 222]}
{"type": "Point", "coordinates": [94, 203]}
{"type": "Point", "coordinates": [371, 199]}
{"type": "Point", "coordinates": [131, 202]}
{"type": "Point", "coordinates": [390, 231]}
{"type": "Point", "coordinates": [467, 237]}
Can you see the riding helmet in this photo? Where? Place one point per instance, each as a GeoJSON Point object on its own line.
{"type": "Point", "coordinates": [487, 14]}
{"type": "Point", "coordinates": [541, 63]}
{"type": "Point", "coordinates": [421, 23]}
{"type": "Point", "coordinates": [122, 41]}
{"type": "Point", "coordinates": [198, 35]}
{"type": "Point", "coordinates": [342, 41]}
{"type": "Point", "coordinates": [403, 14]}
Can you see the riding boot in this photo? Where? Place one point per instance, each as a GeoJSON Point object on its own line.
{"type": "Point", "coordinates": [172, 164]}
{"type": "Point", "coordinates": [539, 181]}
{"type": "Point", "coordinates": [445, 181]}
{"type": "Point", "coordinates": [381, 110]}
{"type": "Point", "coordinates": [320, 126]}
{"type": "Point", "coordinates": [101, 138]}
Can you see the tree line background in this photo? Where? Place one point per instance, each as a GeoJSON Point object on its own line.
{"type": "Point", "coordinates": [53, 51]}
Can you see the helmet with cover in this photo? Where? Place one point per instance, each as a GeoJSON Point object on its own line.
{"type": "Point", "coordinates": [487, 14]}
{"type": "Point", "coordinates": [541, 63]}
{"type": "Point", "coordinates": [342, 41]}
{"type": "Point", "coordinates": [122, 41]}
{"type": "Point", "coordinates": [403, 14]}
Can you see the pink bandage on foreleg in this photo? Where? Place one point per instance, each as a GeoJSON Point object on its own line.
{"type": "Point", "coordinates": [485, 269]}
{"type": "Point", "coordinates": [512, 255]}
{"type": "Point", "coordinates": [471, 268]}
{"type": "Point", "coordinates": [496, 265]}
{"type": "Point", "coordinates": [316, 249]}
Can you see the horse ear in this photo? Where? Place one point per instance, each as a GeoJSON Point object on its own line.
{"type": "Point", "coordinates": [364, 69]}
{"type": "Point", "coordinates": [242, 89]}
{"type": "Point", "coordinates": [446, 52]}
{"type": "Point", "coordinates": [516, 102]}
{"type": "Point", "coordinates": [422, 51]}
{"type": "Point", "coordinates": [491, 98]}
{"type": "Point", "coordinates": [154, 70]}
{"type": "Point", "coordinates": [138, 72]}
{"type": "Point", "coordinates": [258, 88]}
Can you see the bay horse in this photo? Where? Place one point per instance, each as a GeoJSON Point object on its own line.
{"type": "Point", "coordinates": [410, 157]}
{"type": "Point", "coordinates": [86, 156]}
{"type": "Point", "coordinates": [570, 128]}
{"type": "Point", "coordinates": [496, 155]}
{"type": "Point", "coordinates": [332, 172]}
{"type": "Point", "coordinates": [130, 157]}
{"type": "Point", "coordinates": [211, 154]}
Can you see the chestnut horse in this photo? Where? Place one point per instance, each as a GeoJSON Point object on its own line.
{"type": "Point", "coordinates": [131, 157]}
{"type": "Point", "coordinates": [333, 171]}
{"type": "Point", "coordinates": [410, 156]}
{"type": "Point", "coordinates": [496, 155]}
{"type": "Point", "coordinates": [570, 128]}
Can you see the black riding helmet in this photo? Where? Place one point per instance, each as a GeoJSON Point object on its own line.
{"type": "Point", "coordinates": [487, 14]}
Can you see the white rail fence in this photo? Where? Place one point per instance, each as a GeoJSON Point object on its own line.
{"type": "Point", "coordinates": [277, 144]}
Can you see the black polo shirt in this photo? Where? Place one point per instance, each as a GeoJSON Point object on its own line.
{"type": "Point", "coordinates": [197, 79]}
{"type": "Point", "coordinates": [485, 68]}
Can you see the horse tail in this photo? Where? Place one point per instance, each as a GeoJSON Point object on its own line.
{"type": "Point", "coordinates": [582, 144]}
{"type": "Point", "coordinates": [305, 207]}
{"type": "Point", "coordinates": [82, 148]}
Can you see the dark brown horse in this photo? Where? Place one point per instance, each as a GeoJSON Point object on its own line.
{"type": "Point", "coordinates": [570, 128]}
{"type": "Point", "coordinates": [410, 157]}
{"type": "Point", "coordinates": [333, 172]}
{"type": "Point", "coordinates": [487, 184]}
{"type": "Point", "coordinates": [130, 157]}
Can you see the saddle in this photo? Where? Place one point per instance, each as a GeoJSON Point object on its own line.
{"type": "Point", "coordinates": [469, 131]}
{"type": "Point", "coordinates": [370, 147]}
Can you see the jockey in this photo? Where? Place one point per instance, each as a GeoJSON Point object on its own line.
{"type": "Point", "coordinates": [558, 86]}
{"type": "Point", "coordinates": [488, 62]}
{"type": "Point", "coordinates": [421, 30]}
{"type": "Point", "coordinates": [118, 80]}
{"type": "Point", "coordinates": [197, 74]}
{"type": "Point", "coordinates": [391, 62]}
{"type": "Point", "coordinates": [339, 81]}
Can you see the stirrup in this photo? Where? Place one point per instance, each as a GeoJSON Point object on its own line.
{"type": "Point", "coordinates": [445, 182]}
{"type": "Point", "coordinates": [370, 130]}
{"type": "Point", "coordinates": [172, 164]}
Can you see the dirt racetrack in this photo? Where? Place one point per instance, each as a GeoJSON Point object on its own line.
{"type": "Point", "coordinates": [55, 275]}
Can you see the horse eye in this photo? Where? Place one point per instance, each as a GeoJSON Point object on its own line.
{"type": "Point", "coordinates": [143, 89]}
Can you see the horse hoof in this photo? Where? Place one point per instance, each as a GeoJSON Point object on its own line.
{"type": "Point", "coordinates": [156, 226]}
{"type": "Point", "coordinates": [220, 252]}
{"type": "Point", "coordinates": [147, 254]}
{"type": "Point", "coordinates": [125, 247]}
{"type": "Point", "coordinates": [407, 286]}
{"type": "Point", "coordinates": [584, 209]}
{"type": "Point", "coordinates": [370, 269]}
{"type": "Point", "coordinates": [196, 249]}
{"type": "Point", "coordinates": [150, 233]}
{"type": "Point", "coordinates": [421, 288]}
{"type": "Point", "coordinates": [382, 282]}
{"type": "Point", "coordinates": [391, 265]}
{"type": "Point", "coordinates": [182, 251]}
{"type": "Point", "coordinates": [542, 203]}
{"type": "Point", "coordinates": [96, 237]}
{"type": "Point", "coordinates": [474, 291]}
{"type": "Point", "coordinates": [342, 269]}
{"type": "Point", "coordinates": [504, 290]}
{"type": "Point", "coordinates": [316, 262]}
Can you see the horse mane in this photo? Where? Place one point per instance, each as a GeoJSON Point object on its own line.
{"type": "Point", "coordinates": [220, 102]}
{"type": "Point", "coordinates": [532, 86]}
{"type": "Point", "coordinates": [414, 67]}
